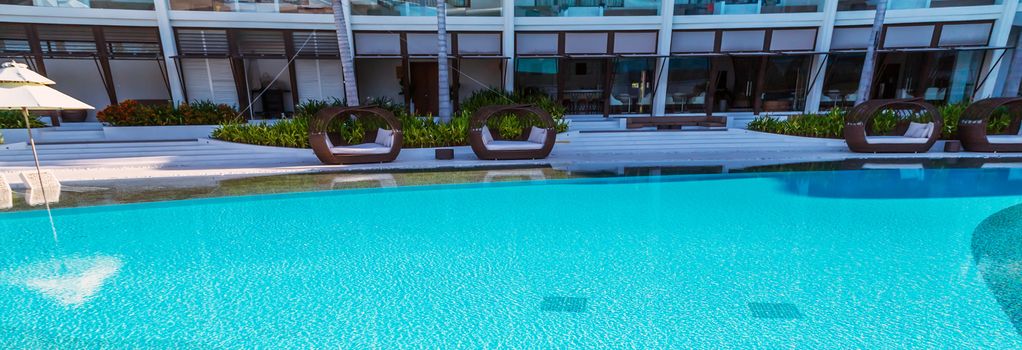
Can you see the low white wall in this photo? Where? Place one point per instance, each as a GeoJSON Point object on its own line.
{"type": "Point", "coordinates": [121, 133]}
{"type": "Point", "coordinates": [17, 135]}
{"type": "Point", "coordinates": [157, 133]}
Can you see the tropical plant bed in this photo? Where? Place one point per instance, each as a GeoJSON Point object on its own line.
{"type": "Point", "coordinates": [12, 119]}
{"type": "Point", "coordinates": [133, 113]}
{"type": "Point", "coordinates": [831, 124]}
{"type": "Point", "coordinates": [419, 132]}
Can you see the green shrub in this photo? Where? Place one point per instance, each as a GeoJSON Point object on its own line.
{"type": "Point", "coordinates": [831, 124]}
{"type": "Point", "coordinates": [417, 131]}
{"type": "Point", "coordinates": [132, 113]}
{"type": "Point", "coordinates": [292, 132]}
{"type": "Point", "coordinates": [12, 119]}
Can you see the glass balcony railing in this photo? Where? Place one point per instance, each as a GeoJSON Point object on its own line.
{"type": "Point", "coordinates": [271, 6]}
{"type": "Point", "coordinates": [741, 7]}
{"type": "Point", "coordinates": [424, 7]}
{"type": "Point", "coordinates": [95, 4]}
{"type": "Point", "coordinates": [860, 5]}
{"type": "Point", "coordinates": [586, 8]}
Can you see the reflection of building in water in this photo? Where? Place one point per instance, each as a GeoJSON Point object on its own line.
{"type": "Point", "coordinates": [348, 181]}
{"type": "Point", "coordinates": [907, 171]}
{"type": "Point", "coordinates": [6, 196]}
{"type": "Point", "coordinates": [69, 281]}
{"type": "Point", "coordinates": [507, 175]}
{"type": "Point", "coordinates": [1014, 169]}
{"type": "Point", "coordinates": [41, 190]}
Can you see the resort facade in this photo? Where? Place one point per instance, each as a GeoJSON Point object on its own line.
{"type": "Point", "coordinates": [608, 58]}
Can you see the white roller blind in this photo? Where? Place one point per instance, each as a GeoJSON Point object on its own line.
{"type": "Point", "coordinates": [480, 44]}
{"type": "Point", "coordinates": [847, 38]}
{"type": "Point", "coordinates": [536, 43]}
{"type": "Point", "coordinates": [210, 79]}
{"type": "Point", "coordinates": [642, 42]}
{"type": "Point", "coordinates": [742, 40]}
{"type": "Point", "coordinates": [908, 36]}
{"type": "Point", "coordinates": [319, 79]}
{"type": "Point", "coordinates": [793, 39]}
{"type": "Point", "coordinates": [693, 41]}
{"type": "Point", "coordinates": [585, 43]}
{"type": "Point", "coordinates": [377, 44]}
{"type": "Point", "coordinates": [424, 43]}
{"type": "Point", "coordinates": [968, 34]}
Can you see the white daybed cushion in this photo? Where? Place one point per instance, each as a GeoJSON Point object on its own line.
{"type": "Point", "coordinates": [364, 148]}
{"type": "Point", "coordinates": [537, 135]}
{"type": "Point", "coordinates": [487, 136]}
{"type": "Point", "coordinates": [1004, 138]}
{"type": "Point", "coordinates": [385, 137]}
{"type": "Point", "coordinates": [895, 140]}
{"type": "Point", "coordinates": [916, 130]}
{"type": "Point", "coordinates": [512, 145]}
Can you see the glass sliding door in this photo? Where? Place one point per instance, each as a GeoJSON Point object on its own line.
{"type": "Point", "coordinates": [538, 75]}
{"type": "Point", "coordinates": [631, 90]}
{"type": "Point", "coordinates": [687, 83]}
{"type": "Point", "coordinates": [841, 82]}
{"type": "Point", "coordinates": [584, 82]}
{"type": "Point", "coordinates": [784, 83]}
{"type": "Point", "coordinates": [736, 79]}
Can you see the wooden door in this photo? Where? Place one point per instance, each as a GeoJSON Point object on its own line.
{"type": "Point", "coordinates": [424, 88]}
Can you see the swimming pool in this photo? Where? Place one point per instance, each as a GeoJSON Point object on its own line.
{"type": "Point", "coordinates": [844, 259]}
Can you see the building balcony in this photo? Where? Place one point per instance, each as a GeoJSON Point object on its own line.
{"type": "Point", "coordinates": [744, 7]}
{"type": "Point", "coordinates": [95, 4]}
{"type": "Point", "coordinates": [485, 8]}
{"type": "Point", "coordinates": [586, 8]}
{"type": "Point", "coordinates": [865, 5]}
{"type": "Point", "coordinates": [259, 6]}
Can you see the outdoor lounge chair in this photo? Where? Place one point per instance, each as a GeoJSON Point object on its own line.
{"type": "Point", "coordinates": [534, 143]}
{"type": "Point", "coordinates": [907, 137]}
{"type": "Point", "coordinates": [377, 147]}
{"type": "Point", "coordinates": [6, 196]}
{"type": "Point", "coordinates": [972, 127]}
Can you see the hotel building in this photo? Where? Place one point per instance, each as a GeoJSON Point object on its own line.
{"type": "Point", "coordinates": [599, 58]}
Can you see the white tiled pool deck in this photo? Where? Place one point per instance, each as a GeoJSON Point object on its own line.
{"type": "Point", "coordinates": [731, 148]}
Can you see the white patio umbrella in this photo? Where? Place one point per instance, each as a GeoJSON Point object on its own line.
{"type": "Point", "coordinates": [21, 88]}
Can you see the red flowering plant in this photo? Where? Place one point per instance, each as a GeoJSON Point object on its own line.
{"type": "Point", "coordinates": [132, 113]}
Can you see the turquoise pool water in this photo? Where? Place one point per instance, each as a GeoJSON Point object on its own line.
{"type": "Point", "coordinates": [854, 259]}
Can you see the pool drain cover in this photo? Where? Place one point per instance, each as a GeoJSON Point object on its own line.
{"type": "Point", "coordinates": [787, 311]}
{"type": "Point", "coordinates": [564, 304]}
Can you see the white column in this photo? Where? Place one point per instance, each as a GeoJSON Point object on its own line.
{"type": "Point", "coordinates": [663, 49]}
{"type": "Point", "coordinates": [507, 10]}
{"type": "Point", "coordinates": [162, 8]}
{"type": "Point", "coordinates": [823, 38]}
{"type": "Point", "coordinates": [998, 38]}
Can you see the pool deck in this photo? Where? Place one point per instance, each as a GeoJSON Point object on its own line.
{"type": "Point", "coordinates": [140, 160]}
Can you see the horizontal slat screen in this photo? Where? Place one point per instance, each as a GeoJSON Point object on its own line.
{"type": "Point", "coordinates": [261, 42]}
{"type": "Point", "coordinates": [13, 38]}
{"type": "Point", "coordinates": [132, 41]}
{"type": "Point", "coordinates": [66, 39]}
{"type": "Point", "coordinates": [320, 44]}
{"type": "Point", "coordinates": [202, 42]}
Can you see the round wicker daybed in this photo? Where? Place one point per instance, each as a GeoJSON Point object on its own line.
{"type": "Point", "coordinates": [906, 137]}
{"type": "Point", "coordinates": [377, 147]}
{"type": "Point", "coordinates": [972, 127]}
{"type": "Point", "coordinates": [535, 142]}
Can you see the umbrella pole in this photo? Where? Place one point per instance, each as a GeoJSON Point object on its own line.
{"type": "Point", "coordinates": [39, 172]}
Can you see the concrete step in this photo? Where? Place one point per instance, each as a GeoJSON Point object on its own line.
{"type": "Point", "coordinates": [594, 124]}
{"type": "Point", "coordinates": [55, 135]}
{"type": "Point", "coordinates": [77, 127]}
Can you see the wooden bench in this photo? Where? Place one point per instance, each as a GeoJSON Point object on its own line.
{"type": "Point", "coordinates": [677, 122]}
